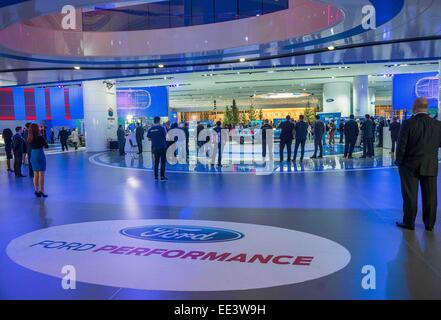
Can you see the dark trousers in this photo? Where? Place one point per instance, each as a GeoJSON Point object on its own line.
{"type": "Point", "coordinates": [267, 147]}
{"type": "Point", "coordinates": [394, 144]}
{"type": "Point", "coordinates": [122, 147]}
{"type": "Point", "coordinates": [288, 144]}
{"type": "Point", "coordinates": [380, 140]}
{"type": "Point", "coordinates": [139, 143]}
{"type": "Point", "coordinates": [409, 189]}
{"type": "Point", "coordinates": [301, 143]}
{"type": "Point", "coordinates": [160, 156]}
{"type": "Point", "coordinates": [318, 145]}
{"type": "Point", "coordinates": [18, 160]}
{"type": "Point", "coordinates": [341, 137]}
{"type": "Point", "coordinates": [368, 145]}
{"type": "Point", "coordinates": [349, 147]}
{"type": "Point", "coordinates": [64, 146]}
{"type": "Point", "coordinates": [219, 154]}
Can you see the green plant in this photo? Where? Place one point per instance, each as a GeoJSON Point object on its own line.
{"type": "Point", "coordinates": [234, 114]}
{"type": "Point", "coordinates": [251, 113]}
{"type": "Point", "coordinates": [310, 113]}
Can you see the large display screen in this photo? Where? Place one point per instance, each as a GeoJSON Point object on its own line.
{"type": "Point", "coordinates": [142, 102]}
{"type": "Point", "coordinates": [408, 87]}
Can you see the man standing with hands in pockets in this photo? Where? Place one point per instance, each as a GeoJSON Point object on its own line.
{"type": "Point", "coordinates": [417, 159]}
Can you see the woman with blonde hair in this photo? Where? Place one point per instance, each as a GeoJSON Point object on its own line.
{"type": "Point", "coordinates": [37, 158]}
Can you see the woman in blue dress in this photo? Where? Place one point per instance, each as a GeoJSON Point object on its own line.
{"type": "Point", "coordinates": [37, 158]}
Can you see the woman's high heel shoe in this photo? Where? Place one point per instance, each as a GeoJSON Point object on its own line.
{"type": "Point", "coordinates": [43, 195]}
{"type": "Point", "coordinates": [37, 194]}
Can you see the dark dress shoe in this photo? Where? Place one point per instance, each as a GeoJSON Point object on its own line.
{"type": "Point", "coordinates": [405, 226]}
{"type": "Point", "coordinates": [164, 179]}
{"type": "Point", "coordinates": [429, 229]}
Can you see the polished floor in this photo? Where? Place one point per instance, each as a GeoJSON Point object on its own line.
{"type": "Point", "coordinates": [355, 208]}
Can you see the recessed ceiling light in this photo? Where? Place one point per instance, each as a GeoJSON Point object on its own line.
{"type": "Point", "coordinates": [77, 68]}
{"type": "Point", "coordinates": [331, 48]}
{"type": "Point", "coordinates": [160, 66]}
{"type": "Point", "coordinates": [242, 60]}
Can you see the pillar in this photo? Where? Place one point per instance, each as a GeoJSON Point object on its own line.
{"type": "Point", "coordinates": [99, 125]}
{"type": "Point", "coordinates": [337, 98]}
{"type": "Point", "coordinates": [361, 95]}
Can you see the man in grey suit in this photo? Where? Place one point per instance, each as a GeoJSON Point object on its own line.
{"type": "Point", "coordinates": [319, 131]}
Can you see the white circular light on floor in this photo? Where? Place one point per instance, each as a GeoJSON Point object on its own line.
{"type": "Point", "coordinates": [179, 255]}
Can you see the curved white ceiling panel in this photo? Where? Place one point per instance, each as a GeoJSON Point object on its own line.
{"type": "Point", "coordinates": [38, 52]}
{"type": "Point", "coordinates": [44, 36]}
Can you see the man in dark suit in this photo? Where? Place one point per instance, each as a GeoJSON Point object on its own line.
{"type": "Point", "coordinates": [266, 126]}
{"type": "Point", "coordinates": [121, 135]}
{"type": "Point", "coordinates": [351, 133]}
{"type": "Point", "coordinates": [286, 137]}
{"type": "Point", "coordinates": [381, 126]}
{"type": "Point", "coordinates": [199, 129]}
{"type": "Point", "coordinates": [18, 147]}
{"type": "Point", "coordinates": [341, 130]}
{"type": "Point", "coordinates": [301, 129]}
{"type": "Point", "coordinates": [394, 129]}
{"type": "Point", "coordinates": [319, 131]}
{"type": "Point", "coordinates": [368, 132]}
{"type": "Point", "coordinates": [220, 143]}
{"type": "Point", "coordinates": [417, 160]}
{"type": "Point", "coordinates": [63, 135]}
{"type": "Point", "coordinates": [158, 135]}
{"type": "Point", "coordinates": [139, 132]}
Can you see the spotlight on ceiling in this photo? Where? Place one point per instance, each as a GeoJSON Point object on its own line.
{"type": "Point", "coordinates": [160, 66]}
{"type": "Point", "coordinates": [77, 68]}
{"type": "Point", "coordinates": [242, 59]}
{"type": "Point", "coordinates": [330, 48]}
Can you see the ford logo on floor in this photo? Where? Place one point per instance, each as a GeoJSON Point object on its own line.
{"type": "Point", "coordinates": [182, 234]}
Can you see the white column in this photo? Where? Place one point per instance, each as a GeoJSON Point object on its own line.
{"type": "Point", "coordinates": [361, 95]}
{"type": "Point", "coordinates": [337, 98]}
{"type": "Point", "coordinates": [98, 99]}
{"type": "Point", "coordinates": [371, 109]}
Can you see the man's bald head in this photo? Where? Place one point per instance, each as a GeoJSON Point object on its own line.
{"type": "Point", "coordinates": [420, 105]}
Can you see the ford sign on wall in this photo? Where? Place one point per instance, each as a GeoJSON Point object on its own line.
{"type": "Point", "coordinates": [182, 234]}
{"type": "Point", "coordinates": [179, 255]}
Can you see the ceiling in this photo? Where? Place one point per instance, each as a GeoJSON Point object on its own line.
{"type": "Point", "coordinates": [406, 30]}
{"type": "Point", "coordinates": [197, 91]}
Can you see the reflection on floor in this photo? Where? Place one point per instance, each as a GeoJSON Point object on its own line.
{"type": "Point", "coordinates": [356, 209]}
{"type": "Point", "coordinates": [249, 159]}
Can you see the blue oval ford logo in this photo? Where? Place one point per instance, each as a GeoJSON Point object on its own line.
{"type": "Point", "coordinates": [183, 234]}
